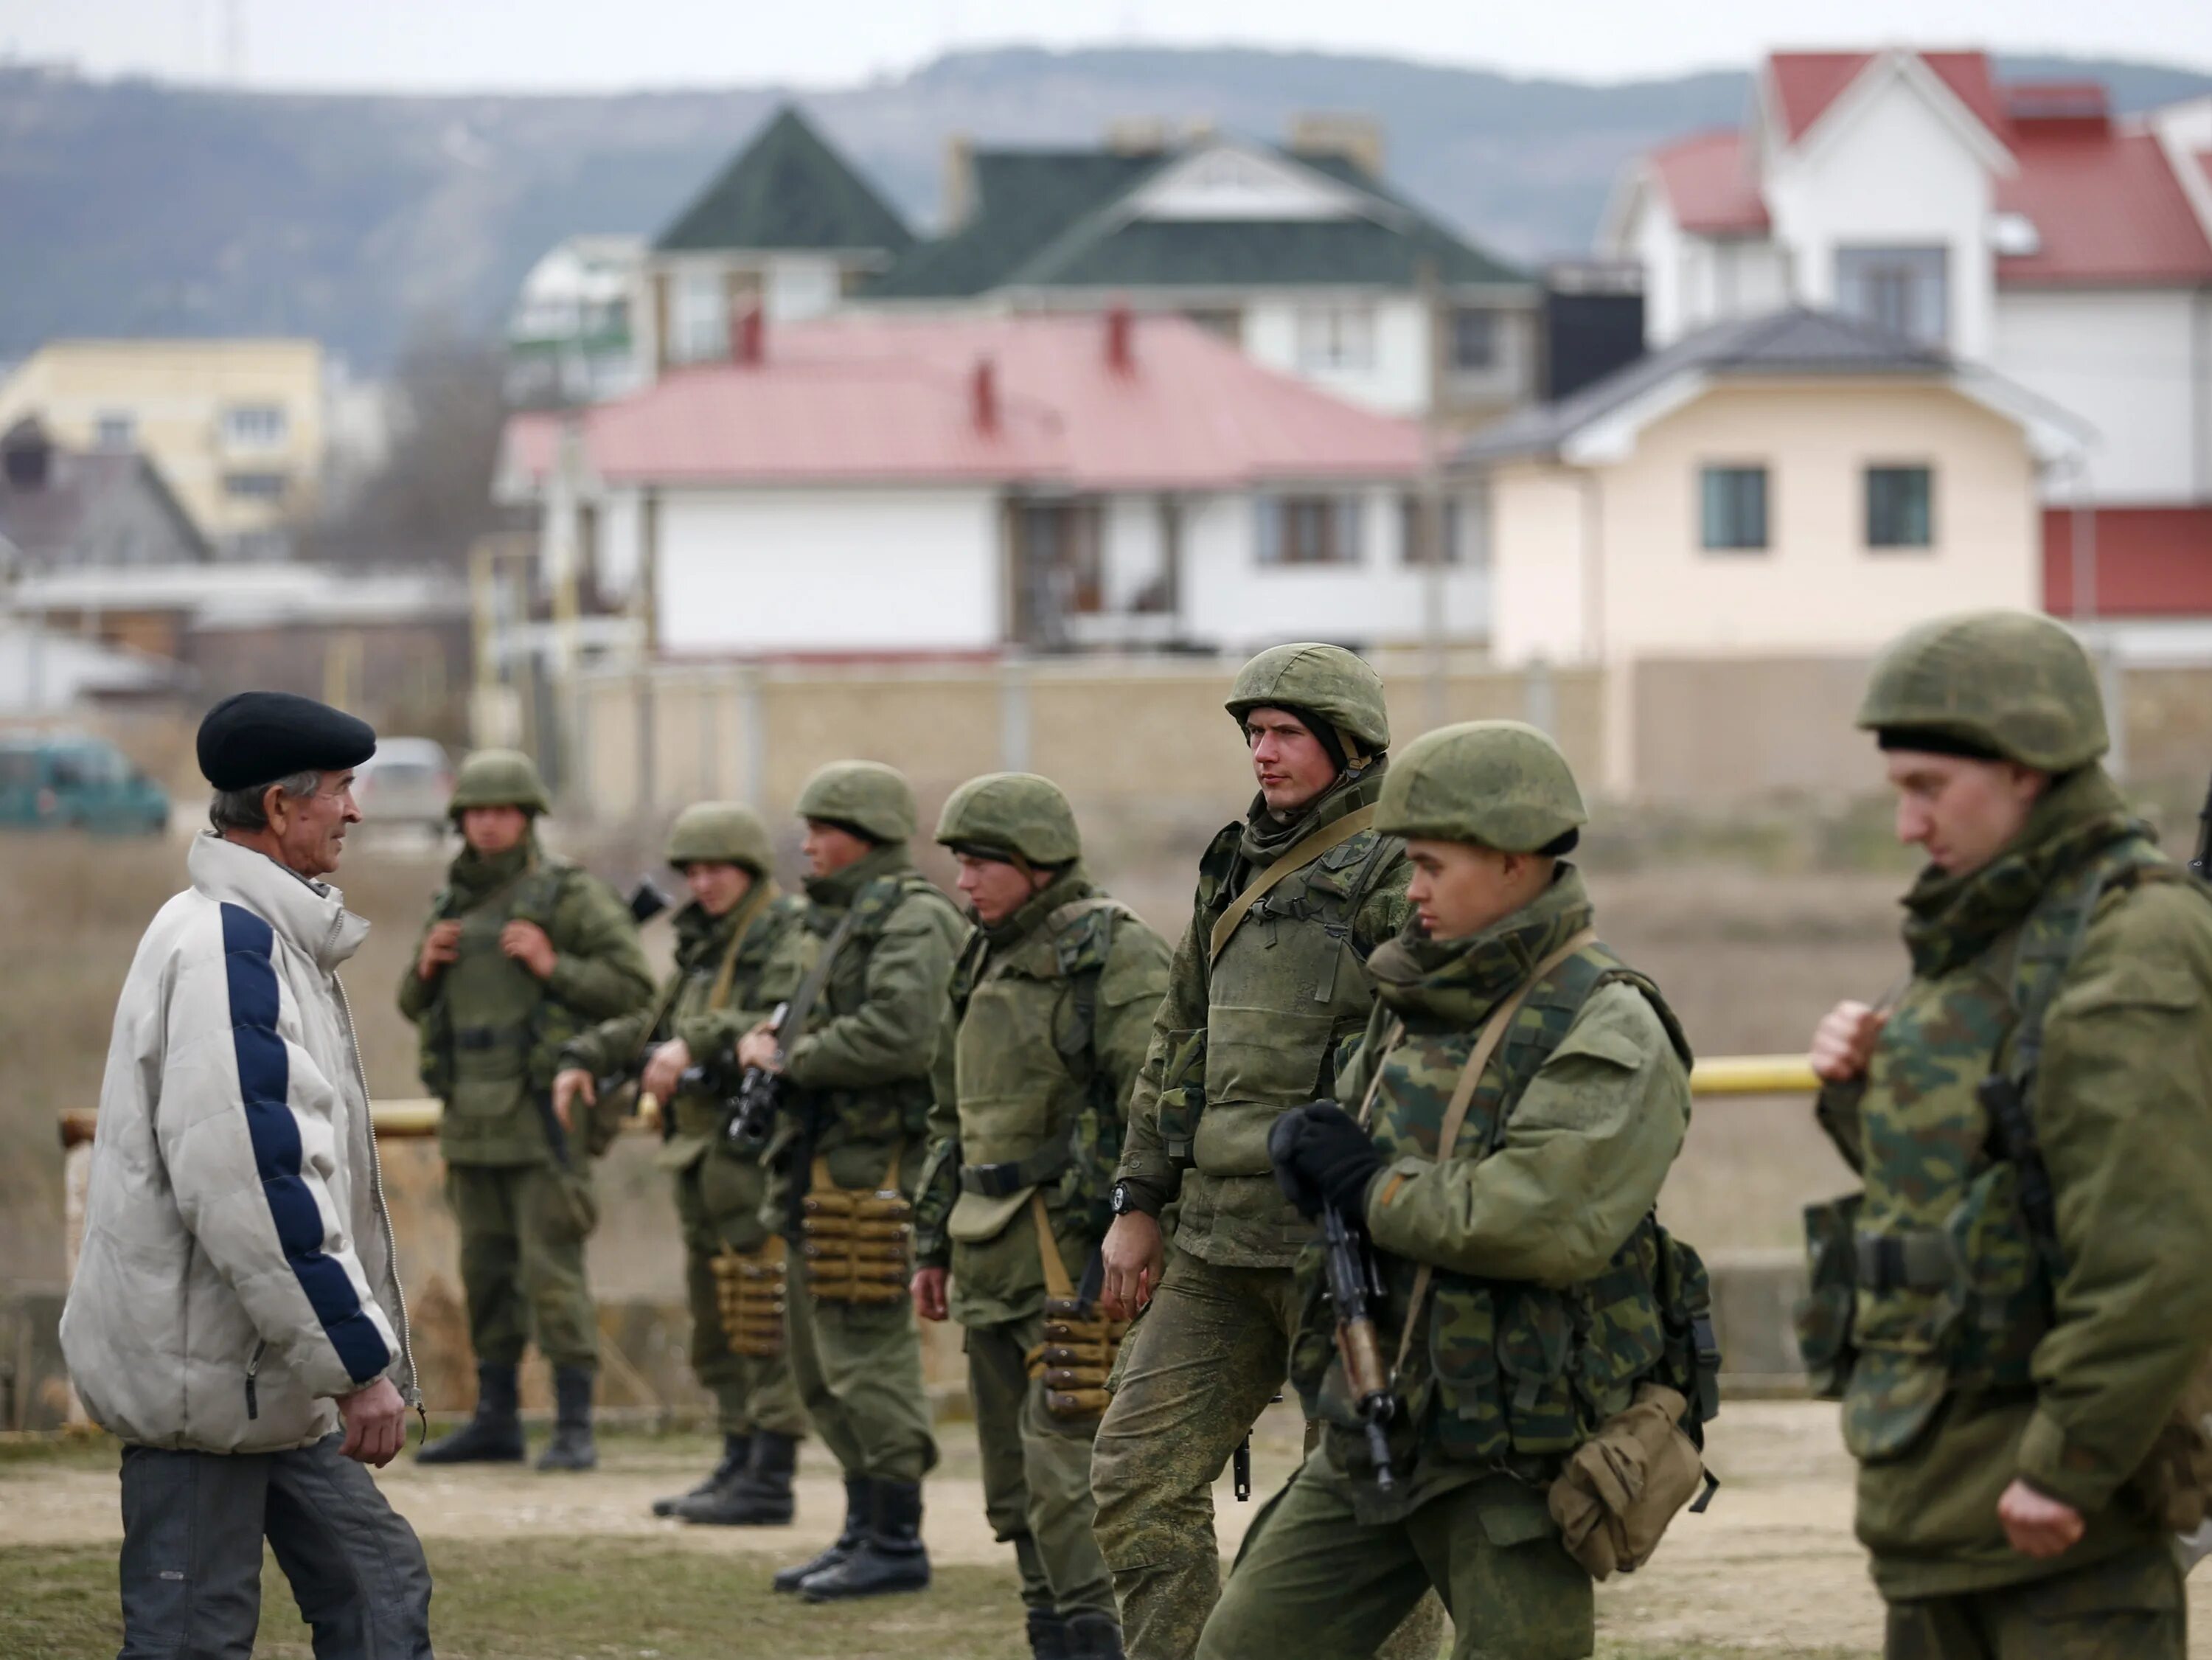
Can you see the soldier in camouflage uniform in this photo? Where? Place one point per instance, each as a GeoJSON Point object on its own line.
{"type": "Point", "coordinates": [1512, 1223]}
{"type": "Point", "coordinates": [682, 1050]}
{"type": "Point", "coordinates": [1269, 978]}
{"type": "Point", "coordinates": [521, 952]}
{"type": "Point", "coordinates": [1053, 1002]}
{"type": "Point", "coordinates": [854, 1052]}
{"type": "Point", "coordinates": [2015, 1305]}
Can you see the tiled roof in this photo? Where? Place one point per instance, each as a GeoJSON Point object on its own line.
{"type": "Point", "coordinates": [893, 399]}
{"type": "Point", "coordinates": [1806, 83]}
{"type": "Point", "coordinates": [2107, 208]}
{"type": "Point", "coordinates": [786, 188]}
{"type": "Point", "coordinates": [2151, 561]}
{"type": "Point", "coordinates": [93, 508]}
{"type": "Point", "coordinates": [1023, 200]}
{"type": "Point", "coordinates": [1709, 185]}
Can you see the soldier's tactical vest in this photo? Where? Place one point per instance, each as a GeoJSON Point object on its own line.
{"type": "Point", "coordinates": [492, 1040]}
{"type": "Point", "coordinates": [881, 1112]}
{"type": "Point", "coordinates": [1511, 1373]}
{"type": "Point", "coordinates": [1944, 1282]}
{"type": "Point", "coordinates": [1032, 1107]}
{"type": "Point", "coordinates": [699, 1110]}
{"type": "Point", "coordinates": [1287, 989]}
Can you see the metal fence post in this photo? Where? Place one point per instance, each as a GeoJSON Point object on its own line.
{"type": "Point", "coordinates": [752, 721]}
{"type": "Point", "coordinates": [1014, 713]}
{"type": "Point", "coordinates": [1540, 697]}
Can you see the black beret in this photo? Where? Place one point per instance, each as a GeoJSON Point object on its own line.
{"type": "Point", "coordinates": [259, 737]}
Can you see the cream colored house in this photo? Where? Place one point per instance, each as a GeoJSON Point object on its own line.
{"type": "Point", "coordinates": [1801, 485]}
{"type": "Point", "coordinates": [236, 426]}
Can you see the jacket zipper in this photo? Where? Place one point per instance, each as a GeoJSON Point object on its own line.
{"type": "Point", "coordinates": [414, 1395]}
{"type": "Point", "coordinates": [253, 1365]}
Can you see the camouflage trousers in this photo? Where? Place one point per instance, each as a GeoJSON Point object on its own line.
{"type": "Point", "coordinates": [1315, 1581]}
{"type": "Point", "coordinates": [718, 1201]}
{"type": "Point", "coordinates": [1209, 1354]}
{"type": "Point", "coordinates": [2128, 1607]}
{"type": "Point", "coordinates": [1037, 1473]}
{"type": "Point", "coordinates": [859, 1370]}
{"type": "Point", "coordinates": [523, 1228]}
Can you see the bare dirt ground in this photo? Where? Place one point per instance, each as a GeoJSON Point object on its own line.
{"type": "Point", "coordinates": [1771, 1568]}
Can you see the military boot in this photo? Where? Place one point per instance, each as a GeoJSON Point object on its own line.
{"type": "Point", "coordinates": [1093, 1635]}
{"type": "Point", "coordinates": [889, 1557]}
{"type": "Point", "coordinates": [860, 1502]}
{"type": "Point", "coordinates": [571, 1448]}
{"type": "Point", "coordinates": [493, 1435]}
{"type": "Point", "coordinates": [736, 1449]}
{"type": "Point", "coordinates": [1048, 1635]}
{"type": "Point", "coordinates": [757, 1496]}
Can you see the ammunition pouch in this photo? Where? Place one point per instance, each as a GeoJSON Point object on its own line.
{"type": "Point", "coordinates": [1825, 1315]}
{"type": "Point", "coordinates": [1623, 1485]}
{"type": "Point", "coordinates": [750, 1287]}
{"type": "Point", "coordinates": [1081, 1343]}
{"type": "Point", "coordinates": [1183, 1096]}
{"type": "Point", "coordinates": [858, 1246]}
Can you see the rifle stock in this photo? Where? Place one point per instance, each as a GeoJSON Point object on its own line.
{"type": "Point", "coordinates": [1355, 1291]}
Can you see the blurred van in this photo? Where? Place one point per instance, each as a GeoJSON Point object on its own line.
{"type": "Point", "coordinates": [81, 783]}
{"type": "Point", "coordinates": [409, 780]}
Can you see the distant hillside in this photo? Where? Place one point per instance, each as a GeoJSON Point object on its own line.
{"type": "Point", "coordinates": [134, 207]}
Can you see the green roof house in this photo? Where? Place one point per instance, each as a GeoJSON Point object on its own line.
{"type": "Point", "coordinates": [787, 230]}
{"type": "Point", "coordinates": [1301, 253]}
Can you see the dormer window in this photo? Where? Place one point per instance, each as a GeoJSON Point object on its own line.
{"type": "Point", "coordinates": [1905, 290]}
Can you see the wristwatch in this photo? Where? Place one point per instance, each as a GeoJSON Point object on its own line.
{"type": "Point", "coordinates": [1124, 1199]}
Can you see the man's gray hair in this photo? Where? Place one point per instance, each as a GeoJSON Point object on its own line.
{"type": "Point", "coordinates": [242, 810]}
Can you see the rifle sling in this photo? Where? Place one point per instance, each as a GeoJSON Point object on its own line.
{"type": "Point", "coordinates": [1470, 1076]}
{"type": "Point", "coordinates": [1300, 854]}
{"type": "Point", "coordinates": [801, 1006]}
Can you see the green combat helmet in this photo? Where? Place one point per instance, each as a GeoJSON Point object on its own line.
{"type": "Point", "coordinates": [720, 833]}
{"type": "Point", "coordinates": [1497, 782]}
{"type": "Point", "coordinates": [2004, 684]}
{"type": "Point", "coordinates": [1015, 813]}
{"type": "Point", "coordinates": [871, 796]}
{"type": "Point", "coordinates": [1325, 681]}
{"type": "Point", "coordinates": [499, 778]}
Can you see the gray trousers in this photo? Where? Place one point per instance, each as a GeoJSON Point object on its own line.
{"type": "Point", "coordinates": [192, 1528]}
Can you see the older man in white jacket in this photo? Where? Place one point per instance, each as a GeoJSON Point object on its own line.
{"type": "Point", "coordinates": [236, 1319]}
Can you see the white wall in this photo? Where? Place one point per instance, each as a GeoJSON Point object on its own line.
{"type": "Point", "coordinates": [1397, 381]}
{"type": "Point", "coordinates": [1654, 240]}
{"type": "Point", "coordinates": [779, 570]}
{"type": "Point", "coordinates": [2122, 361]}
{"type": "Point", "coordinates": [1131, 527]}
{"type": "Point", "coordinates": [1231, 599]}
{"type": "Point", "coordinates": [1888, 172]}
{"type": "Point", "coordinates": [1537, 565]}
{"type": "Point", "coordinates": [800, 286]}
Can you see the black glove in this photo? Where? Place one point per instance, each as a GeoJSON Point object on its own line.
{"type": "Point", "coordinates": [1321, 1157]}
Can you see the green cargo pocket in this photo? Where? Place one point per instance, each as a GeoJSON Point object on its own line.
{"type": "Point", "coordinates": [1535, 1340]}
{"type": "Point", "coordinates": [1889, 1400]}
{"type": "Point", "coordinates": [2000, 1290]}
{"type": "Point", "coordinates": [1824, 1316]}
{"type": "Point", "coordinates": [1182, 1095]}
{"type": "Point", "coordinates": [1463, 1357]}
{"type": "Point", "coordinates": [572, 1210]}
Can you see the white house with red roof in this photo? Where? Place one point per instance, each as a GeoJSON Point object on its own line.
{"type": "Point", "coordinates": [934, 486]}
{"type": "Point", "coordinates": [2022, 226]}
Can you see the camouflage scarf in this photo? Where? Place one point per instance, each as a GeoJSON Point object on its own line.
{"type": "Point", "coordinates": [1267, 837]}
{"type": "Point", "coordinates": [1458, 981]}
{"type": "Point", "coordinates": [473, 877]}
{"type": "Point", "coordinates": [1952, 920]}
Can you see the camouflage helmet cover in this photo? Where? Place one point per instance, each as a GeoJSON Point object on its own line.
{"type": "Point", "coordinates": [1497, 782]}
{"type": "Point", "coordinates": [499, 778]}
{"type": "Point", "coordinates": [2009, 683]}
{"type": "Point", "coordinates": [720, 833]}
{"type": "Point", "coordinates": [1016, 812]}
{"type": "Point", "coordinates": [872, 798]}
{"type": "Point", "coordinates": [1323, 680]}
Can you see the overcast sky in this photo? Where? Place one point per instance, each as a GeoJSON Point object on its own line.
{"type": "Point", "coordinates": [601, 45]}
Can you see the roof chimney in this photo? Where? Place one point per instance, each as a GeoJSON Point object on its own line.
{"type": "Point", "coordinates": [959, 180]}
{"type": "Point", "coordinates": [1341, 136]}
{"type": "Point", "coordinates": [984, 396]}
{"type": "Point", "coordinates": [1136, 134]}
{"type": "Point", "coordinates": [748, 338]}
{"type": "Point", "coordinates": [27, 453]}
{"type": "Point", "coordinates": [1120, 343]}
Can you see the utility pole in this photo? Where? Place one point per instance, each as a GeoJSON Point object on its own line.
{"type": "Point", "coordinates": [1430, 513]}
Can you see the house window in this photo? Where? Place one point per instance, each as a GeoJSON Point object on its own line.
{"type": "Point", "coordinates": [1473, 338]}
{"type": "Point", "coordinates": [1340, 337]}
{"type": "Point", "coordinates": [1905, 290]}
{"type": "Point", "coordinates": [1465, 522]}
{"type": "Point", "coordinates": [255, 486]}
{"type": "Point", "coordinates": [1900, 508]}
{"type": "Point", "coordinates": [254, 426]}
{"type": "Point", "coordinates": [1310, 530]}
{"type": "Point", "coordinates": [114, 430]}
{"type": "Point", "coordinates": [702, 317]}
{"type": "Point", "coordinates": [1223, 322]}
{"type": "Point", "coordinates": [1060, 566]}
{"type": "Point", "coordinates": [1733, 509]}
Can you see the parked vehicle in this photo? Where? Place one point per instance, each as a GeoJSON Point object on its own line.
{"type": "Point", "coordinates": [407, 781]}
{"type": "Point", "coordinates": [77, 782]}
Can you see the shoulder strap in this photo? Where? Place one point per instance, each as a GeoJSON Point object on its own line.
{"type": "Point", "coordinates": [2048, 943]}
{"type": "Point", "coordinates": [1462, 1098]}
{"type": "Point", "coordinates": [801, 1006]}
{"type": "Point", "coordinates": [749, 912]}
{"type": "Point", "coordinates": [1301, 853]}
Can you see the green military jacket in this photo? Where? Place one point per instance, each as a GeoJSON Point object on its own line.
{"type": "Point", "coordinates": [1052, 1012]}
{"type": "Point", "coordinates": [857, 1077]}
{"type": "Point", "coordinates": [737, 952]}
{"type": "Point", "coordinates": [1960, 1388]}
{"type": "Point", "coordinates": [491, 1032]}
{"type": "Point", "coordinates": [1543, 1309]}
{"type": "Point", "coordinates": [1236, 1042]}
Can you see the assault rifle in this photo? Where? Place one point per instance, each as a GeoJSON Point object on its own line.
{"type": "Point", "coordinates": [1355, 1291]}
{"type": "Point", "coordinates": [2202, 864]}
{"type": "Point", "coordinates": [753, 1108]}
